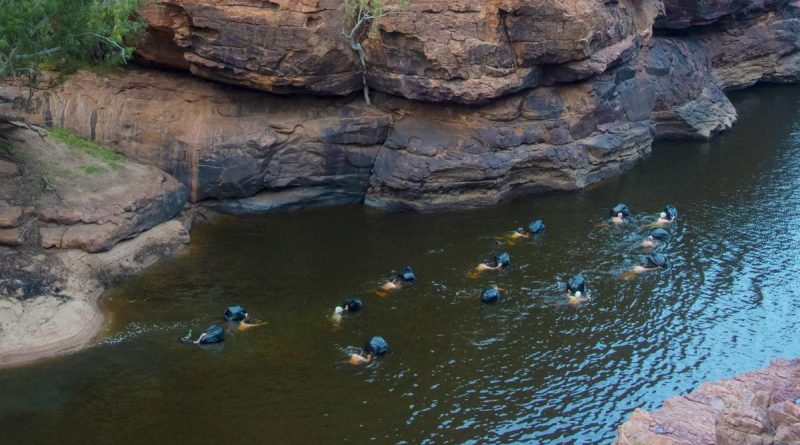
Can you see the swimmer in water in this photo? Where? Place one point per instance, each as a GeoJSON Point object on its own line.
{"type": "Point", "coordinates": [247, 323]}
{"type": "Point", "coordinates": [488, 265]}
{"type": "Point", "coordinates": [360, 358]}
{"type": "Point", "coordinates": [392, 284]}
{"type": "Point", "coordinates": [618, 219]}
{"type": "Point", "coordinates": [577, 298]}
{"type": "Point", "coordinates": [649, 242]}
{"type": "Point", "coordinates": [516, 235]}
{"type": "Point", "coordinates": [662, 219]}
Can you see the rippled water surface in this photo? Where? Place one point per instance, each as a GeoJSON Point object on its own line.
{"type": "Point", "coordinates": [529, 369]}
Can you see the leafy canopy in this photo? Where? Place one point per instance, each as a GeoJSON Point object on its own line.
{"type": "Point", "coordinates": [65, 35]}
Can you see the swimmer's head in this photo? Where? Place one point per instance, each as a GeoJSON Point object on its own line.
{"type": "Point", "coordinates": [338, 310]}
{"type": "Point", "coordinates": [520, 230]}
{"type": "Point", "coordinates": [620, 215]}
{"type": "Point", "coordinates": [649, 237]}
{"type": "Point", "coordinates": [662, 215]}
{"type": "Point", "coordinates": [578, 294]}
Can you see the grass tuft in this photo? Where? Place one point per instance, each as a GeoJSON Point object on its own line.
{"type": "Point", "coordinates": [106, 154]}
{"type": "Point", "coordinates": [92, 169]}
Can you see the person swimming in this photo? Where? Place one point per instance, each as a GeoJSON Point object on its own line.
{"type": "Point", "coordinates": [654, 261]}
{"type": "Point", "coordinates": [247, 323]}
{"type": "Point", "coordinates": [520, 232]}
{"type": "Point", "coordinates": [577, 298]}
{"type": "Point", "coordinates": [374, 347]}
{"type": "Point", "coordinates": [360, 358]}
{"type": "Point", "coordinates": [576, 290]}
{"type": "Point", "coordinates": [499, 261]}
{"type": "Point", "coordinates": [618, 219]}
{"type": "Point", "coordinates": [649, 242]}
{"type": "Point", "coordinates": [393, 284]}
{"type": "Point", "coordinates": [348, 306]}
{"type": "Point", "coordinates": [662, 219]}
{"type": "Point", "coordinates": [406, 275]}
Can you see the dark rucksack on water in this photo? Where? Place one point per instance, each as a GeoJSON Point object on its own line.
{"type": "Point", "coordinates": [214, 334]}
{"type": "Point", "coordinates": [407, 274]}
{"type": "Point", "coordinates": [536, 227]}
{"type": "Point", "coordinates": [352, 304]}
{"type": "Point", "coordinates": [490, 295]}
{"type": "Point", "coordinates": [376, 346]}
{"type": "Point", "coordinates": [576, 284]}
{"type": "Point", "coordinates": [671, 212]}
{"type": "Point", "coordinates": [659, 234]}
{"type": "Point", "coordinates": [502, 259]}
{"type": "Point", "coordinates": [235, 313]}
{"type": "Point", "coordinates": [620, 208]}
{"type": "Point", "coordinates": [657, 260]}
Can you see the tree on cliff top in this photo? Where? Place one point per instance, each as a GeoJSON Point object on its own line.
{"type": "Point", "coordinates": [64, 35]}
{"type": "Point", "coordinates": [360, 16]}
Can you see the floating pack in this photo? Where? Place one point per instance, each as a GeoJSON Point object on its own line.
{"type": "Point", "coordinates": [620, 208]}
{"type": "Point", "coordinates": [503, 259]}
{"type": "Point", "coordinates": [536, 226]}
{"type": "Point", "coordinates": [376, 346]}
{"type": "Point", "coordinates": [576, 284]}
{"type": "Point", "coordinates": [657, 260]}
{"type": "Point", "coordinates": [407, 274]}
{"type": "Point", "coordinates": [671, 212]}
{"type": "Point", "coordinates": [659, 234]}
{"type": "Point", "coordinates": [235, 313]}
{"type": "Point", "coordinates": [490, 295]}
{"type": "Point", "coordinates": [214, 334]}
{"type": "Point", "coordinates": [353, 304]}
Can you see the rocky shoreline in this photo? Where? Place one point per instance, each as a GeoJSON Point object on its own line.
{"type": "Point", "coordinates": [757, 407]}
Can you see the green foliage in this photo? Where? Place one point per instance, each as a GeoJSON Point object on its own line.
{"type": "Point", "coordinates": [364, 12]}
{"type": "Point", "coordinates": [92, 169]}
{"type": "Point", "coordinates": [65, 35]}
{"type": "Point", "coordinates": [106, 154]}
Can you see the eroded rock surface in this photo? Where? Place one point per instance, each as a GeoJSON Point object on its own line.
{"type": "Point", "coordinates": [467, 51]}
{"type": "Point", "coordinates": [755, 408]}
{"type": "Point", "coordinates": [74, 221]}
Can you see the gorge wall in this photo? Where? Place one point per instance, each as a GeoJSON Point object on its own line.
{"type": "Point", "coordinates": [475, 101]}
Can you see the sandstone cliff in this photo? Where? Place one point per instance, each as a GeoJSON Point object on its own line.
{"type": "Point", "coordinates": [477, 101]}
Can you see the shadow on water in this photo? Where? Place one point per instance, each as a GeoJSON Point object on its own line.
{"type": "Point", "coordinates": [529, 369]}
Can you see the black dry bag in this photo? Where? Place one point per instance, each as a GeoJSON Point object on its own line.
{"type": "Point", "coordinates": [235, 313]}
{"type": "Point", "coordinates": [536, 226]}
{"type": "Point", "coordinates": [502, 259]}
{"type": "Point", "coordinates": [407, 274]}
{"type": "Point", "coordinates": [671, 212]}
{"type": "Point", "coordinates": [657, 260]}
{"type": "Point", "coordinates": [490, 295]}
{"type": "Point", "coordinates": [214, 334]}
{"type": "Point", "coordinates": [620, 208]}
{"type": "Point", "coordinates": [659, 234]}
{"type": "Point", "coordinates": [576, 284]}
{"type": "Point", "coordinates": [376, 346]}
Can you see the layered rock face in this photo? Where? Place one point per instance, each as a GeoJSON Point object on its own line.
{"type": "Point", "coordinates": [756, 408]}
{"type": "Point", "coordinates": [476, 102]}
{"type": "Point", "coordinates": [468, 51]}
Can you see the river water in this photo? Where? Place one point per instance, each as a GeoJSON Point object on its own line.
{"type": "Point", "coordinates": [528, 369]}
